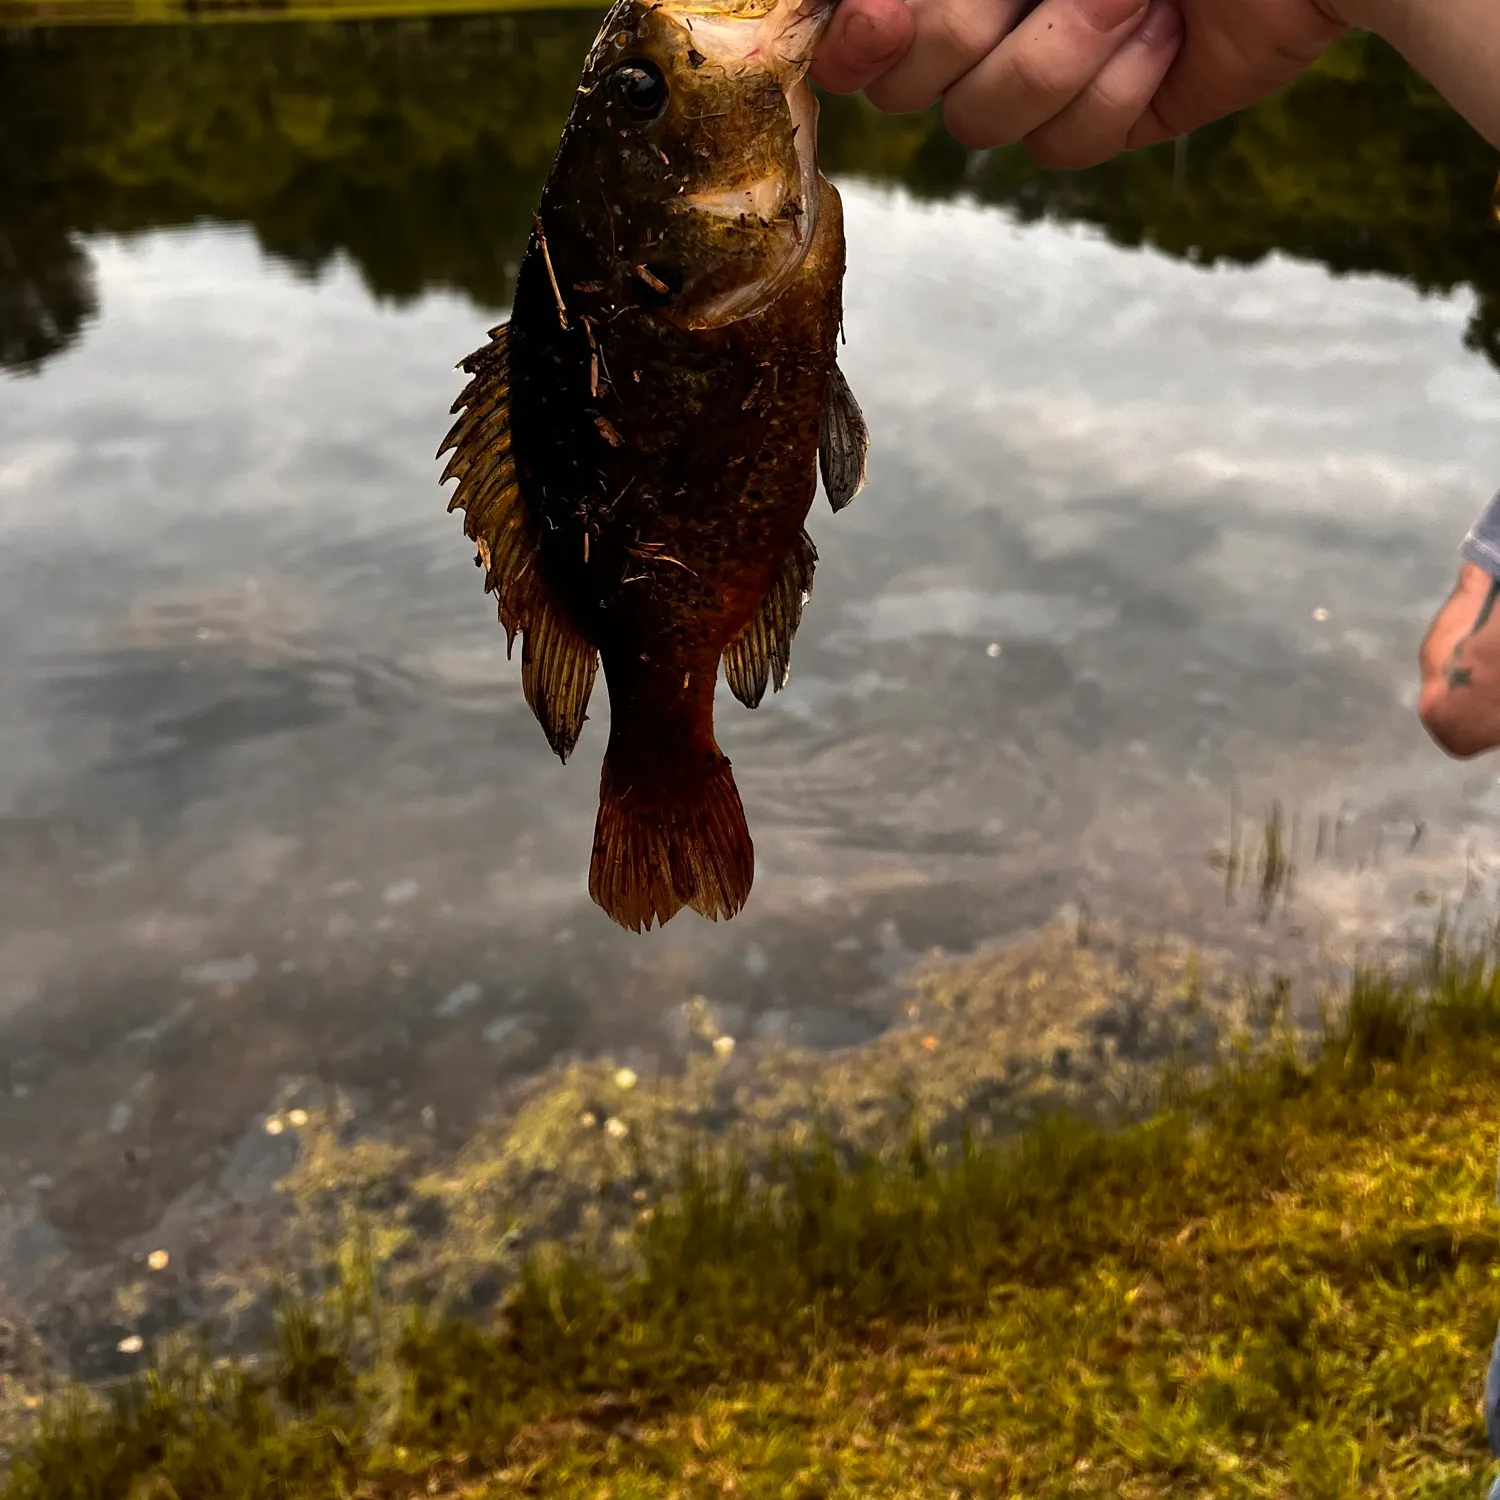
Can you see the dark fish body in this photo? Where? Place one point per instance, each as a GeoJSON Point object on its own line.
{"type": "Point", "coordinates": [639, 446]}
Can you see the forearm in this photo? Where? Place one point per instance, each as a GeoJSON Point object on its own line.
{"type": "Point", "coordinates": [1455, 44]}
{"type": "Point", "coordinates": [1460, 702]}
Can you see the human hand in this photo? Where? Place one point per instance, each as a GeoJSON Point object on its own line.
{"type": "Point", "coordinates": [1077, 80]}
{"type": "Point", "coordinates": [1234, 55]}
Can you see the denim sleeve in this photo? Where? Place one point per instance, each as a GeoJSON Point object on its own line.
{"type": "Point", "coordinates": [1492, 1402]}
{"type": "Point", "coordinates": [1482, 545]}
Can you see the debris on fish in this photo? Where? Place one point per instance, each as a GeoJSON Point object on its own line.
{"type": "Point", "coordinates": [637, 450]}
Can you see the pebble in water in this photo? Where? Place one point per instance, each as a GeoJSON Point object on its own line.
{"type": "Point", "coordinates": [497, 1031]}
{"type": "Point", "coordinates": [224, 970]}
{"type": "Point", "coordinates": [158, 1260]}
{"type": "Point", "coordinates": [626, 1078]}
{"type": "Point", "coordinates": [132, 1343]}
{"type": "Point", "coordinates": [458, 1000]}
{"type": "Point", "coordinates": [616, 1129]}
{"type": "Point", "coordinates": [275, 1125]}
{"type": "Point", "coordinates": [296, 1118]}
{"type": "Point", "coordinates": [723, 1045]}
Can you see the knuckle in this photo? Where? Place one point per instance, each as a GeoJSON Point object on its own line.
{"type": "Point", "coordinates": [972, 127]}
{"type": "Point", "coordinates": [1049, 153]}
{"type": "Point", "coordinates": [1149, 130]}
{"type": "Point", "coordinates": [957, 36]}
{"type": "Point", "coordinates": [1060, 152]}
{"type": "Point", "coordinates": [1036, 71]}
{"type": "Point", "coordinates": [900, 94]}
{"type": "Point", "coordinates": [1111, 99]}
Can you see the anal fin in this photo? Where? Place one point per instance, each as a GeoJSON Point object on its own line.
{"type": "Point", "coordinates": [557, 674]}
{"type": "Point", "coordinates": [844, 442]}
{"type": "Point", "coordinates": [761, 654]}
{"type": "Point", "coordinates": [557, 664]}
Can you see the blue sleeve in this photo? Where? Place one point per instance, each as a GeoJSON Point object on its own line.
{"type": "Point", "coordinates": [1482, 545]}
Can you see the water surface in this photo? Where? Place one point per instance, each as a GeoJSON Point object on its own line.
{"type": "Point", "coordinates": [1170, 465]}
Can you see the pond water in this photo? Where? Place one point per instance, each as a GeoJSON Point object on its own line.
{"type": "Point", "coordinates": [1171, 461]}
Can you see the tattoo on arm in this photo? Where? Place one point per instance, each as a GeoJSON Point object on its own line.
{"type": "Point", "coordinates": [1455, 675]}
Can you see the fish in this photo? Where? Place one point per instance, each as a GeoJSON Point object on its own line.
{"type": "Point", "coordinates": [638, 447]}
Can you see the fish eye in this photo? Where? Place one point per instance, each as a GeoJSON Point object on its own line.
{"type": "Point", "coordinates": [641, 90]}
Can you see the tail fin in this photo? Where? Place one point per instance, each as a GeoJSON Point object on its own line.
{"type": "Point", "coordinates": [661, 848]}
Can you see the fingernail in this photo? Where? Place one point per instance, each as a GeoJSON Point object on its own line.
{"type": "Point", "coordinates": [1110, 15]}
{"type": "Point", "coordinates": [1163, 24]}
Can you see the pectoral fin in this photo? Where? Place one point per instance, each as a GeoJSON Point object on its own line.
{"type": "Point", "coordinates": [557, 664]}
{"type": "Point", "coordinates": [844, 443]}
{"type": "Point", "coordinates": [761, 653]}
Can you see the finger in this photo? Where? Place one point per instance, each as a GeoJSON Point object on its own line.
{"type": "Point", "coordinates": [1037, 71]}
{"type": "Point", "coordinates": [1149, 130]}
{"type": "Point", "coordinates": [950, 37]}
{"type": "Point", "coordinates": [866, 38]}
{"type": "Point", "coordinates": [1216, 73]}
{"type": "Point", "coordinates": [1098, 123]}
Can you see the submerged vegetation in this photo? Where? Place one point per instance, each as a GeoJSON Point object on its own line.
{"type": "Point", "coordinates": [417, 148]}
{"type": "Point", "coordinates": [1281, 1280]}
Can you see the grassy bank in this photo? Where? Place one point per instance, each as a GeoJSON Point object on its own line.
{"type": "Point", "coordinates": [1282, 1282]}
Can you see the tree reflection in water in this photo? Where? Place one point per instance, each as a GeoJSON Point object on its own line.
{"type": "Point", "coordinates": [417, 148]}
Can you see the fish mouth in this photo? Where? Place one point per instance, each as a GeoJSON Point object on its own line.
{"type": "Point", "coordinates": [775, 39]}
{"type": "Point", "coordinates": [796, 27]}
{"type": "Point", "coordinates": [777, 35]}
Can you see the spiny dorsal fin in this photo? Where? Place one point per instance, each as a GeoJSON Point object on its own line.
{"type": "Point", "coordinates": [762, 652]}
{"type": "Point", "coordinates": [557, 664]}
{"type": "Point", "coordinates": [844, 443]}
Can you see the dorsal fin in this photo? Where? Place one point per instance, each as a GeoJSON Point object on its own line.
{"type": "Point", "coordinates": [844, 443]}
{"type": "Point", "coordinates": [557, 664]}
{"type": "Point", "coordinates": [762, 652]}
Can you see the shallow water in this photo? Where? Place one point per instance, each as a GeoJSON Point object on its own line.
{"type": "Point", "coordinates": [1148, 544]}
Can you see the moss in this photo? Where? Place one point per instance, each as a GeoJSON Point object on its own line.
{"type": "Point", "coordinates": [1282, 1283]}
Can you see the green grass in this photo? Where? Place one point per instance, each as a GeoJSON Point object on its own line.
{"type": "Point", "coordinates": [1281, 1283]}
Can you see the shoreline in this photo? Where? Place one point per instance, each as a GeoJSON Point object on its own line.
{"type": "Point", "coordinates": [593, 1179]}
